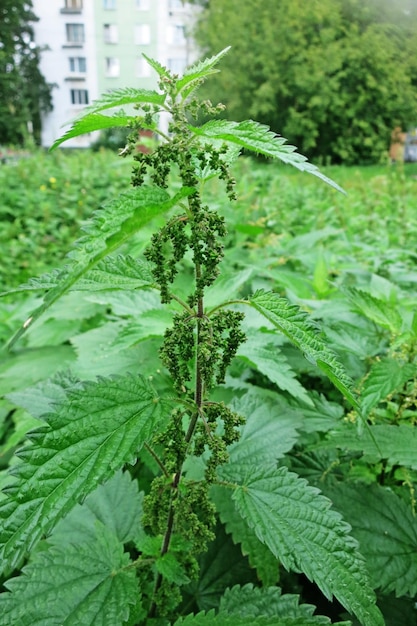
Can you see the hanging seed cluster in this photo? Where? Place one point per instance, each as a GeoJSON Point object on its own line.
{"type": "Point", "coordinates": [197, 349]}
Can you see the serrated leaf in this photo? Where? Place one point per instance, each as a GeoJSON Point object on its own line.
{"type": "Point", "coordinates": [220, 567]}
{"type": "Point", "coordinates": [40, 398]}
{"type": "Point", "coordinates": [386, 529]}
{"type": "Point", "coordinates": [395, 444]}
{"type": "Point", "coordinates": [379, 311]}
{"type": "Point", "coordinates": [117, 504]}
{"type": "Point", "coordinates": [22, 423]}
{"type": "Point", "coordinates": [322, 416]}
{"type": "Point", "coordinates": [112, 226]}
{"type": "Point", "coordinates": [121, 272]}
{"type": "Point", "coordinates": [151, 324]}
{"type": "Point", "coordinates": [301, 331]}
{"type": "Point", "coordinates": [385, 377]}
{"type": "Point", "coordinates": [198, 72]}
{"type": "Point", "coordinates": [266, 601]}
{"type": "Point", "coordinates": [271, 429]}
{"type": "Point", "coordinates": [315, 466]}
{"type": "Point", "coordinates": [260, 139]}
{"type": "Point", "coordinates": [296, 523]}
{"type": "Point", "coordinates": [171, 569]}
{"type": "Point", "coordinates": [355, 338]}
{"type": "Point", "coordinates": [99, 354]}
{"type": "Point", "coordinates": [92, 122]}
{"type": "Point", "coordinates": [119, 98]}
{"type": "Point", "coordinates": [211, 619]}
{"type": "Point", "coordinates": [91, 434]}
{"type": "Point", "coordinates": [89, 584]}
{"type": "Point", "coordinates": [268, 359]}
{"type": "Point", "coordinates": [158, 67]}
{"type": "Point", "coordinates": [129, 303]}
{"type": "Point", "coordinates": [259, 555]}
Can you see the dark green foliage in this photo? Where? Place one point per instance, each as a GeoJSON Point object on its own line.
{"type": "Point", "coordinates": [334, 76]}
{"type": "Point", "coordinates": [24, 93]}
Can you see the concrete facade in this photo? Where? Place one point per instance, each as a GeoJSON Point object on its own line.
{"type": "Point", "coordinates": [94, 46]}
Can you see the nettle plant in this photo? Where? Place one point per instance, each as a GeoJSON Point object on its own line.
{"type": "Point", "coordinates": [116, 499]}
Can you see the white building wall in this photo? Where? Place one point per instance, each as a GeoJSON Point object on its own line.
{"type": "Point", "coordinates": [172, 51]}
{"type": "Point", "coordinates": [51, 31]}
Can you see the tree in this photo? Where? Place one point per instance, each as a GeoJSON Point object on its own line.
{"type": "Point", "coordinates": [334, 76]}
{"type": "Point", "coordinates": [24, 91]}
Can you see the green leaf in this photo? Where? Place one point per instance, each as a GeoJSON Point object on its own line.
{"type": "Point", "coordinates": [74, 584]}
{"type": "Point", "coordinates": [296, 523]}
{"type": "Point", "coordinates": [117, 505]}
{"type": "Point", "coordinates": [37, 401]}
{"type": "Point", "coordinates": [99, 354]}
{"type": "Point", "coordinates": [159, 69]}
{"type": "Point", "coordinates": [91, 434]}
{"type": "Point", "coordinates": [194, 75]}
{"type": "Point", "coordinates": [386, 529]}
{"type": "Point", "coordinates": [395, 444]}
{"type": "Point", "coordinates": [171, 569]}
{"type": "Point", "coordinates": [92, 122]}
{"type": "Point", "coordinates": [221, 619]}
{"type": "Point", "coordinates": [151, 324]}
{"type": "Point", "coordinates": [121, 272]}
{"type": "Point", "coordinates": [271, 429]}
{"type": "Point", "coordinates": [322, 416]}
{"type": "Point", "coordinates": [26, 367]}
{"type": "Point", "coordinates": [268, 359]}
{"type": "Point", "coordinates": [297, 326]}
{"type": "Point", "coordinates": [228, 285]}
{"type": "Point", "coordinates": [385, 377]}
{"type": "Point", "coordinates": [223, 565]}
{"type": "Point", "coordinates": [40, 398]}
{"type": "Point", "coordinates": [259, 555]}
{"type": "Point", "coordinates": [112, 226]}
{"type": "Point", "coordinates": [123, 96]}
{"type": "Point", "coordinates": [378, 311]}
{"type": "Point", "coordinates": [266, 601]}
{"type": "Point", "coordinates": [260, 139]}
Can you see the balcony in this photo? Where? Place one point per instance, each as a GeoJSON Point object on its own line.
{"type": "Point", "coordinates": [72, 7]}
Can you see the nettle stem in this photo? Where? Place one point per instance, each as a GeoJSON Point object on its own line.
{"type": "Point", "coordinates": [198, 399]}
{"type": "Point", "coordinates": [197, 350]}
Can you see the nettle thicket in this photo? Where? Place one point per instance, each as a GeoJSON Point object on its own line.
{"type": "Point", "coordinates": [120, 499]}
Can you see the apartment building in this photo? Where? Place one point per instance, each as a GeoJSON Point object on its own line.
{"type": "Point", "coordinates": [94, 46]}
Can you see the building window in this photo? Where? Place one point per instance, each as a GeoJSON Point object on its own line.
{"type": "Point", "coordinates": [142, 5]}
{"type": "Point", "coordinates": [78, 64]}
{"type": "Point", "coordinates": [74, 5]}
{"type": "Point", "coordinates": [175, 4]}
{"type": "Point", "coordinates": [177, 66]}
{"type": "Point", "coordinates": [142, 34]}
{"type": "Point", "coordinates": [111, 34]}
{"type": "Point", "coordinates": [75, 33]}
{"type": "Point", "coordinates": [112, 66]}
{"type": "Point", "coordinates": [109, 5]}
{"type": "Point", "coordinates": [79, 96]}
{"type": "Point", "coordinates": [176, 35]}
{"type": "Point", "coordinates": [143, 69]}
